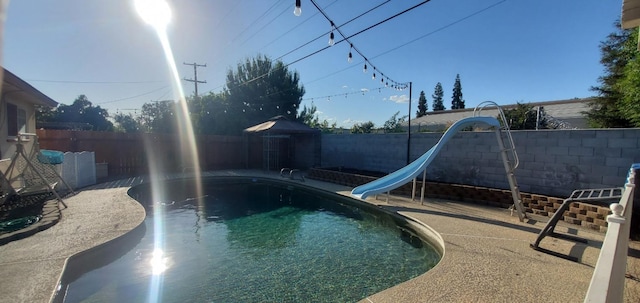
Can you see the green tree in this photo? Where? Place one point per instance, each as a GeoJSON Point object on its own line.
{"type": "Point", "coordinates": [259, 89]}
{"type": "Point", "coordinates": [362, 128]}
{"type": "Point", "coordinates": [617, 102]}
{"type": "Point", "coordinates": [524, 116]}
{"type": "Point", "coordinates": [422, 105]}
{"type": "Point", "coordinates": [309, 116]}
{"type": "Point", "coordinates": [438, 98]}
{"type": "Point", "coordinates": [456, 99]}
{"type": "Point", "coordinates": [159, 117]}
{"type": "Point", "coordinates": [80, 111]}
{"type": "Point", "coordinates": [210, 115]}
{"type": "Point", "coordinates": [126, 123]}
{"type": "Point", "coordinates": [394, 124]}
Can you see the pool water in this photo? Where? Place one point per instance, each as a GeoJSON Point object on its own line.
{"type": "Point", "coordinates": [260, 242]}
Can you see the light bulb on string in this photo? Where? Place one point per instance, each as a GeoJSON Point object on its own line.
{"type": "Point", "coordinates": [298, 10]}
{"type": "Point", "coordinates": [373, 77]}
{"type": "Point", "coordinates": [350, 58]}
{"type": "Point", "coordinates": [364, 70]}
{"type": "Point", "coordinates": [331, 42]}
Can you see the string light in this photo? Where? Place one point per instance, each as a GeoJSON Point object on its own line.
{"type": "Point", "coordinates": [394, 84]}
{"type": "Point", "coordinates": [331, 41]}
{"type": "Point", "coordinates": [298, 10]}
{"type": "Point", "coordinates": [328, 97]}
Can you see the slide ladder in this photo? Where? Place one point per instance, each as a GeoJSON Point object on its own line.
{"type": "Point", "coordinates": [509, 156]}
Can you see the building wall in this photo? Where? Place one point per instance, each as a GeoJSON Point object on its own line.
{"type": "Point", "coordinates": [7, 144]}
{"type": "Point", "coordinates": [552, 162]}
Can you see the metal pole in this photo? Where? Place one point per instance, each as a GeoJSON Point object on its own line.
{"type": "Point", "coordinates": [409, 127]}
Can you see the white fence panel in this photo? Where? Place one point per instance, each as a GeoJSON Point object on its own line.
{"type": "Point", "coordinates": [79, 169]}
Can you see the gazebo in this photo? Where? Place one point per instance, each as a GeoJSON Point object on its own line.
{"type": "Point", "coordinates": [278, 143]}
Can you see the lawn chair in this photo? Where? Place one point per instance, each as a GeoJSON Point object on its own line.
{"type": "Point", "coordinates": [32, 172]}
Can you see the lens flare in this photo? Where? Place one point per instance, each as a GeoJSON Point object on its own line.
{"type": "Point", "coordinates": [158, 262]}
{"type": "Point", "coordinates": [157, 13]}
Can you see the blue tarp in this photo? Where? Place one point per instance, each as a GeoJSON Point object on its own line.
{"type": "Point", "coordinates": [50, 156]}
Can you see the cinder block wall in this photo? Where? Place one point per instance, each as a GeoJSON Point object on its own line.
{"type": "Point", "coordinates": [552, 162]}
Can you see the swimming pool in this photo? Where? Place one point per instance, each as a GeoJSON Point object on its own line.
{"type": "Point", "coordinates": [256, 240]}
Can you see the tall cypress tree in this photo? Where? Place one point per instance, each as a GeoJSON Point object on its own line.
{"type": "Point", "coordinates": [618, 55]}
{"type": "Point", "coordinates": [422, 105]}
{"type": "Point", "coordinates": [456, 100]}
{"type": "Point", "coordinates": [438, 98]}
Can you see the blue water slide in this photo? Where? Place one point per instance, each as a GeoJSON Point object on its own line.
{"type": "Point", "coordinates": [407, 173]}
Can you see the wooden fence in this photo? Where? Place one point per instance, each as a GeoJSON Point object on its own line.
{"type": "Point", "coordinates": [129, 154]}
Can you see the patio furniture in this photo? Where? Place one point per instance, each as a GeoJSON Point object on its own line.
{"type": "Point", "coordinates": [31, 172]}
{"type": "Point", "coordinates": [602, 196]}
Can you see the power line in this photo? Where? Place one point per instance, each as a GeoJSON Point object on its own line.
{"type": "Point", "coordinates": [92, 82]}
{"type": "Point", "coordinates": [296, 27]}
{"type": "Point", "coordinates": [443, 27]}
{"type": "Point", "coordinates": [345, 38]}
{"type": "Point", "coordinates": [326, 47]}
{"type": "Point", "coordinates": [414, 40]}
{"type": "Point", "coordinates": [265, 26]}
{"type": "Point", "coordinates": [362, 91]}
{"type": "Point", "coordinates": [255, 21]}
{"type": "Point", "coordinates": [136, 96]}
{"type": "Point", "coordinates": [368, 28]}
{"type": "Point", "coordinates": [341, 25]}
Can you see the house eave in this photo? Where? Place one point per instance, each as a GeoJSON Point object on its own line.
{"type": "Point", "coordinates": [13, 85]}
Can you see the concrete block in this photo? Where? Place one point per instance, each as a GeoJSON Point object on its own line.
{"type": "Point", "coordinates": [631, 153]}
{"type": "Point", "coordinates": [604, 171]}
{"type": "Point", "coordinates": [570, 142]}
{"type": "Point", "coordinates": [582, 134]}
{"type": "Point", "coordinates": [580, 151]}
{"type": "Point", "coordinates": [608, 133]}
{"type": "Point", "coordinates": [593, 142]}
{"type": "Point", "coordinates": [618, 162]}
{"type": "Point", "coordinates": [590, 160]}
{"type": "Point", "coordinates": [488, 156]}
{"type": "Point", "coordinates": [542, 159]}
{"type": "Point", "coordinates": [607, 152]}
{"type": "Point", "coordinates": [613, 181]}
{"type": "Point", "coordinates": [623, 143]}
{"type": "Point", "coordinates": [534, 149]}
{"type": "Point", "coordinates": [545, 142]}
{"type": "Point", "coordinates": [567, 160]}
{"type": "Point", "coordinates": [630, 133]}
{"type": "Point", "coordinates": [557, 150]}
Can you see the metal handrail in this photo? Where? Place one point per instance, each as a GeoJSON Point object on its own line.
{"type": "Point", "coordinates": [478, 110]}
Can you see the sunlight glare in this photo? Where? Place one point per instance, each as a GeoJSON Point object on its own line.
{"type": "Point", "coordinates": [158, 262]}
{"type": "Point", "coordinates": [156, 13]}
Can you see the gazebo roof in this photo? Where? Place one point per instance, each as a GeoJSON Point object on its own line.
{"type": "Point", "coordinates": [281, 125]}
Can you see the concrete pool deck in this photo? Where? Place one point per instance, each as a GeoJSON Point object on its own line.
{"type": "Point", "coordinates": [487, 256]}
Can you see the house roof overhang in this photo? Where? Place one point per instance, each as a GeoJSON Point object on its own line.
{"type": "Point", "coordinates": [12, 84]}
{"type": "Point", "coordinates": [630, 13]}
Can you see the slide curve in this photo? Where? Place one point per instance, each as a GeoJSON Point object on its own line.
{"type": "Point", "coordinates": [407, 173]}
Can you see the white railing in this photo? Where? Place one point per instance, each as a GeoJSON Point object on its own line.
{"type": "Point", "coordinates": [607, 282]}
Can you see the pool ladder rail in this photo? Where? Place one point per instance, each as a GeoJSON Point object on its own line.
{"type": "Point", "coordinates": [292, 173]}
{"type": "Point", "coordinates": [509, 157]}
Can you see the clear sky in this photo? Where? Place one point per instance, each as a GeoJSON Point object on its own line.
{"type": "Point", "coordinates": [506, 51]}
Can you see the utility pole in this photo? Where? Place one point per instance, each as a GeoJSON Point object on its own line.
{"type": "Point", "coordinates": [409, 126]}
{"type": "Point", "coordinates": [195, 75]}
